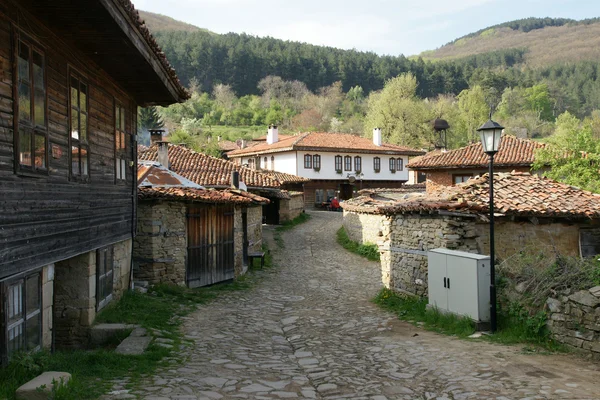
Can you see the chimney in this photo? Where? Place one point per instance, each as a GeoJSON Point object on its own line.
{"type": "Point", "coordinates": [219, 138]}
{"type": "Point", "coordinates": [163, 153]}
{"type": "Point", "coordinates": [156, 135]}
{"type": "Point", "coordinates": [377, 136]}
{"type": "Point", "coordinates": [235, 179]}
{"type": "Point", "coordinates": [272, 134]}
{"type": "Point", "coordinates": [243, 144]}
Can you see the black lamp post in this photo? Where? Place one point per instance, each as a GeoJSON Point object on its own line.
{"type": "Point", "coordinates": [491, 134]}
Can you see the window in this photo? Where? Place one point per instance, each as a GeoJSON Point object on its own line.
{"type": "Point", "coordinates": [399, 164]}
{"type": "Point", "coordinates": [120, 144]}
{"type": "Point", "coordinates": [330, 194]}
{"type": "Point", "coordinates": [32, 122]}
{"type": "Point", "coordinates": [79, 128]}
{"type": "Point", "coordinates": [307, 161]}
{"type": "Point", "coordinates": [347, 163]}
{"type": "Point", "coordinates": [317, 162]}
{"type": "Point", "coordinates": [377, 164]}
{"type": "Point", "coordinates": [104, 276]}
{"type": "Point", "coordinates": [461, 178]}
{"type": "Point", "coordinates": [272, 163]}
{"type": "Point", "coordinates": [392, 165]}
{"type": "Point", "coordinates": [23, 329]}
{"type": "Point", "coordinates": [338, 163]}
{"type": "Point", "coordinates": [266, 164]}
{"type": "Point", "coordinates": [319, 195]}
{"type": "Point", "coordinates": [251, 163]}
{"type": "Point", "coordinates": [357, 164]}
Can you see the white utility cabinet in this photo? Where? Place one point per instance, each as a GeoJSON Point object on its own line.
{"type": "Point", "coordinates": [459, 282]}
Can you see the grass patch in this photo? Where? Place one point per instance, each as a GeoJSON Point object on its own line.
{"type": "Point", "coordinates": [368, 250]}
{"type": "Point", "coordinates": [515, 326]}
{"type": "Point", "coordinates": [286, 226]}
{"type": "Point", "coordinates": [93, 370]}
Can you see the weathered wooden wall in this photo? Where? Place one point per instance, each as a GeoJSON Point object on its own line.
{"type": "Point", "coordinates": [46, 218]}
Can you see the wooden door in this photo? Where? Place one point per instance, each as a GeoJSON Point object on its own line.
{"type": "Point", "coordinates": [210, 245]}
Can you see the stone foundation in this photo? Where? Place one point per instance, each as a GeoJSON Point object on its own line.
{"type": "Point", "coordinates": [75, 303]}
{"type": "Point", "coordinates": [160, 249]}
{"type": "Point", "coordinates": [574, 320]}
{"type": "Point", "coordinates": [290, 209]}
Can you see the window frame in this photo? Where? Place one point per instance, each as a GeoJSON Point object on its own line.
{"type": "Point", "coordinates": [348, 163]}
{"type": "Point", "coordinates": [121, 139]}
{"type": "Point", "coordinates": [461, 176]}
{"type": "Point", "coordinates": [103, 279]}
{"type": "Point", "coordinates": [82, 79]}
{"type": "Point", "coordinates": [316, 161]}
{"type": "Point", "coordinates": [307, 161]}
{"type": "Point", "coordinates": [357, 164]}
{"type": "Point", "coordinates": [338, 162]}
{"type": "Point", "coordinates": [399, 164]}
{"type": "Point", "coordinates": [272, 163]}
{"type": "Point", "coordinates": [25, 315]}
{"type": "Point", "coordinates": [32, 129]}
{"type": "Point", "coordinates": [377, 164]}
{"type": "Point", "coordinates": [392, 165]}
{"type": "Point", "coordinates": [322, 195]}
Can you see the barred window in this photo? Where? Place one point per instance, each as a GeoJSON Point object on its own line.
{"type": "Point", "coordinates": [392, 165]}
{"type": "Point", "coordinates": [357, 164]}
{"type": "Point", "coordinates": [317, 162]}
{"type": "Point", "coordinates": [399, 164]}
{"type": "Point", "coordinates": [307, 161]}
{"type": "Point", "coordinates": [347, 163]}
{"type": "Point", "coordinates": [377, 164]}
{"type": "Point", "coordinates": [338, 163]}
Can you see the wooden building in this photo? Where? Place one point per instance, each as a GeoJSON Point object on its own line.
{"type": "Point", "coordinates": [72, 76]}
{"type": "Point", "coordinates": [189, 235]}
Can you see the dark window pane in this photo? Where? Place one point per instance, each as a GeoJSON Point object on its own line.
{"type": "Point", "coordinates": [23, 68]}
{"type": "Point", "coordinates": [24, 102]}
{"type": "Point", "coordinates": [40, 107]}
{"type": "Point", "coordinates": [74, 124]}
{"type": "Point", "coordinates": [122, 142]}
{"type": "Point", "coordinates": [122, 111]}
{"type": "Point", "coordinates": [25, 148]}
{"type": "Point", "coordinates": [117, 118]}
{"type": "Point", "coordinates": [83, 127]}
{"type": "Point", "coordinates": [75, 160]}
{"type": "Point", "coordinates": [40, 151]}
{"type": "Point", "coordinates": [33, 332]}
{"type": "Point", "coordinates": [83, 98]}
{"type": "Point", "coordinates": [15, 302]}
{"type": "Point", "coordinates": [33, 295]}
{"type": "Point", "coordinates": [85, 156]}
{"type": "Point", "coordinates": [15, 339]}
{"type": "Point", "coordinates": [74, 92]}
{"type": "Point", "coordinates": [399, 164]}
{"type": "Point", "coordinates": [38, 70]}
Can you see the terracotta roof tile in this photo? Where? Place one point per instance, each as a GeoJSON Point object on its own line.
{"type": "Point", "coordinates": [210, 171]}
{"type": "Point", "coordinates": [284, 178]}
{"type": "Point", "coordinates": [513, 152]}
{"type": "Point", "coordinates": [317, 141]}
{"type": "Point", "coordinates": [518, 194]}
{"type": "Point", "coordinates": [199, 195]}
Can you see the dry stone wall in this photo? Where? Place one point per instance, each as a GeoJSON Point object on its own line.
{"type": "Point", "coordinates": [254, 228]}
{"type": "Point", "coordinates": [364, 228]}
{"type": "Point", "coordinates": [290, 209]}
{"type": "Point", "coordinates": [574, 320]}
{"type": "Point", "coordinates": [160, 248]}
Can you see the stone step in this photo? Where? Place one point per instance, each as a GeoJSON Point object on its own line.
{"type": "Point", "coordinates": [102, 333]}
{"type": "Point", "coordinates": [40, 388]}
{"type": "Point", "coordinates": [136, 343]}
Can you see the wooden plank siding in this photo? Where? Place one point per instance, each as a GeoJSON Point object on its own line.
{"type": "Point", "coordinates": [47, 218]}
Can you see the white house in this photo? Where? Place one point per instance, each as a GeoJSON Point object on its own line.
{"type": "Point", "coordinates": [338, 164]}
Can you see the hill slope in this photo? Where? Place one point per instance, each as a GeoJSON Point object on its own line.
{"type": "Point", "coordinates": [160, 23]}
{"type": "Point", "coordinates": [557, 41]}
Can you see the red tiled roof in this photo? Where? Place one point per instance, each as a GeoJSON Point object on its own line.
{"type": "Point", "coordinates": [317, 141]}
{"type": "Point", "coordinates": [158, 53]}
{"type": "Point", "coordinates": [284, 178]}
{"type": "Point", "coordinates": [518, 194]}
{"type": "Point", "coordinates": [199, 195]}
{"type": "Point", "coordinates": [207, 170]}
{"type": "Point", "coordinates": [513, 152]}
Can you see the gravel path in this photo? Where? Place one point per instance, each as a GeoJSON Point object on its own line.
{"type": "Point", "coordinates": [308, 330]}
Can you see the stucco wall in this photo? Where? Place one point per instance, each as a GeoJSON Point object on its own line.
{"type": "Point", "coordinates": [290, 209]}
{"type": "Point", "coordinates": [160, 248]}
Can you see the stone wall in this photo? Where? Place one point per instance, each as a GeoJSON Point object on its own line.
{"type": "Point", "coordinates": [47, 304]}
{"type": "Point", "coordinates": [406, 239]}
{"type": "Point", "coordinates": [238, 242]}
{"type": "Point", "coordinates": [255, 228]}
{"type": "Point", "coordinates": [364, 228]}
{"type": "Point", "coordinates": [290, 209]}
{"type": "Point", "coordinates": [574, 320]}
{"type": "Point", "coordinates": [75, 293]}
{"type": "Point", "coordinates": [160, 247]}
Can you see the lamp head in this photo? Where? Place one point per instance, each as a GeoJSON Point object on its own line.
{"type": "Point", "coordinates": [491, 135]}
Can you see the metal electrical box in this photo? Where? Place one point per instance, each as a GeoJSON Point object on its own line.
{"type": "Point", "coordinates": [459, 282]}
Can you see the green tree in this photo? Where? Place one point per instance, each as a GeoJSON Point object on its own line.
{"type": "Point", "coordinates": [149, 118]}
{"type": "Point", "coordinates": [474, 111]}
{"type": "Point", "coordinates": [572, 154]}
{"type": "Point", "coordinates": [538, 100]}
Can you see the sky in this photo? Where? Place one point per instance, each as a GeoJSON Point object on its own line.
{"type": "Point", "coordinates": [382, 26]}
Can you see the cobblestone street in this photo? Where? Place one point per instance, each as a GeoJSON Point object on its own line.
{"type": "Point", "coordinates": [308, 330]}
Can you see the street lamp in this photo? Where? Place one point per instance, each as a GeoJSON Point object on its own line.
{"type": "Point", "coordinates": [491, 135]}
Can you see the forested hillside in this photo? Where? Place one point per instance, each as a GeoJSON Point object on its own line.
{"type": "Point", "coordinates": [159, 22]}
{"type": "Point", "coordinates": [546, 40]}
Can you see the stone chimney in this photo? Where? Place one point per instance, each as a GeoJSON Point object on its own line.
{"type": "Point", "coordinates": [156, 135]}
{"type": "Point", "coordinates": [272, 134]}
{"type": "Point", "coordinates": [377, 136]}
{"type": "Point", "coordinates": [163, 153]}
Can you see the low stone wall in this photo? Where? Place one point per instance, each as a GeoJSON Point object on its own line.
{"type": "Point", "coordinates": [364, 228]}
{"type": "Point", "coordinates": [160, 247]}
{"type": "Point", "coordinates": [255, 228]}
{"type": "Point", "coordinates": [574, 320]}
{"type": "Point", "coordinates": [290, 209]}
{"type": "Point", "coordinates": [406, 239]}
